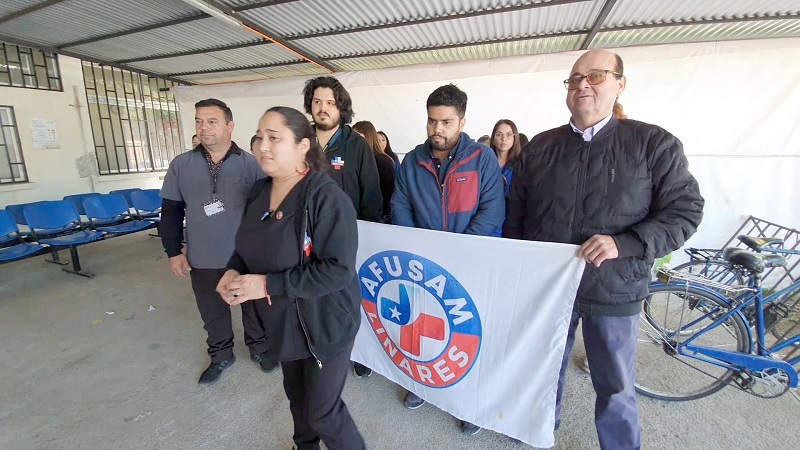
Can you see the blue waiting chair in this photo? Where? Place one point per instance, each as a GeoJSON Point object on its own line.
{"type": "Point", "coordinates": [43, 217]}
{"type": "Point", "coordinates": [13, 247]}
{"type": "Point", "coordinates": [17, 212]}
{"type": "Point", "coordinates": [9, 232]}
{"type": "Point", "coordinates": [126, 193]}
{"type": "Point", "coordinates": [77, 200]}
{"type": "Point", "coordinates": [112, 210]}
{"type": "Point", "coordinates": [147, 203]}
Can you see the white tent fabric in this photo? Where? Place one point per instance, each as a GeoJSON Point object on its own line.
{"type": "Point", "coordinates": [735, 106]}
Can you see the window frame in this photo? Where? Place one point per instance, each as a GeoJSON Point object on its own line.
{"type": "Point", "coordinates": [15, 131]}
{"type": "Point", "coordinates": [134, 120]}
{"type": "Point", "coordinates": [37, 60]}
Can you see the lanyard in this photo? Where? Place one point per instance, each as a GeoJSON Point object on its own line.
{"type": "Point", "coordinates": [214, 169]}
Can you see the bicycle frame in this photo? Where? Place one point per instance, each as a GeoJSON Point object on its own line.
{"type": "Point", "coordinates": [712, 256]}
{"type": "Point", "coordinates": [733, 360]}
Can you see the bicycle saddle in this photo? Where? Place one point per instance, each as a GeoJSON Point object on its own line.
{"type": "Point", "coordinates": [754, 262]}
{"type": "Point", "coordinates": [758, 243]}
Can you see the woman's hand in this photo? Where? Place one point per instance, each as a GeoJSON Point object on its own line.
{"type": "Point", "coordinates": [222, 286]}
{"type": "Point", "coordinates": [241, 288]}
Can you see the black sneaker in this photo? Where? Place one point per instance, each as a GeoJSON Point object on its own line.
{"type": "Point", "coordinates": [413, 401]}
{"type": "Point", "coordinates": [214, 370]}
{"type": "Point", "coordinates": [265, 361]}
{"type": "Point", "coordinates": [469, 429]}
{"type": "Point", "coordinates": [361, 371]}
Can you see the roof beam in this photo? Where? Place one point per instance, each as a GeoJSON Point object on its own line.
{"type": "Point", "coordinates": [598, 23]}
{"type": "Point", "coordinates": [235, 69]}
{"type": "Point", "coordinates": [29, 10]}
{"type": "Point", "coordinates": [44, 48]}
{"type": "Point", "coordinates": [262, 41]}
{"type": "Point", "coordinates": [199, 15]}
{"type": "Point", "coordinates": [152, 26]}
{"type": "Point", "coordinates": [266, 34]}
{"type": "Point", "coordinates": [474, 13]}
{"type": "Point", "coordinates": [261, 5]}
{"type": "Point", "coordinates": [332, 33]}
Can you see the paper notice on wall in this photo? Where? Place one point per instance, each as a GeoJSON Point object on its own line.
{"type": "Point", "coordinates": [44, 134]}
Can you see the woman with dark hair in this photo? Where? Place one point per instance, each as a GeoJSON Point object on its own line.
{"type": "Point", "coordinates": [386, 146]}
{"type": "Point", "coordinates": [295, 257]}
{"type": "Point", "coordinates": [385, 165]}
{"type": "Point", "coordinates": [505, 143]}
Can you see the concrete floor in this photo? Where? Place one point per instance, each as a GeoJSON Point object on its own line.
{"type": "Point", "coordinates": [76, 376]}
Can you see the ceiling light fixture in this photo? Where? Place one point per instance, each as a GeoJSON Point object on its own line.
{"type": "Point", "coordinates": [214, 12]}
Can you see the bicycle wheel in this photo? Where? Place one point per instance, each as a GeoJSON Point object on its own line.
{"type": "Point", "coordinates": [715, 270]}
{"type": "Point", "coordinates": [671, 314]}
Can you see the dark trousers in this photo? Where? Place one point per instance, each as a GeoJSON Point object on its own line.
{"type": "Point", "coordinates": [315, 399]}
{"type": "Point", "coordinates": [216, 315]}
{"type": "Point", "coordinates": [610, 344]}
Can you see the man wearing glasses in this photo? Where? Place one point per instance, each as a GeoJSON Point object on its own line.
{"type": "Point", "coordinates": [621, 189]}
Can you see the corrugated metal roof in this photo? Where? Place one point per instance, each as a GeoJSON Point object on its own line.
{"type": "Point", "coordinates": [11, 6]}
{"type": "Point", "coordinates": [196, 35]}
{"type": "Point", "coordinates": [240, 57]}
{"type": "Point", "coordinates": [698, 33]}
{"type": "Point", "coordinates": [295, 19]}
{"type": "Point", "coordinates": [636, 12]}
{"type": "Point", "coordinates": [76, 20]}
{"type": "Point", "coordinates": [528, 47]}
{"type": "Point", "coordinates": [479, 30]}
{"type": "Point", "coordinates": [365, 34]}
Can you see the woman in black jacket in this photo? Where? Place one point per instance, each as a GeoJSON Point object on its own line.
{"type": "Point", "coordinates": [385, 165]}
{"type": "Point", "coordinates": [295, 257]}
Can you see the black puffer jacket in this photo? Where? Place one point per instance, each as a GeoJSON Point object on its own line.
{"type": "Point", "coordinates": [631, 182]}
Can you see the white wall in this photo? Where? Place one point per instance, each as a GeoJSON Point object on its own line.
{"type": "Point", "coordinates": [53, 173]}
{"type": "Point", "coordinates": [734, 105]}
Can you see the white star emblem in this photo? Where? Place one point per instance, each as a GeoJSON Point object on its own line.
{"type": "Point", "coordinates": [395, 313]}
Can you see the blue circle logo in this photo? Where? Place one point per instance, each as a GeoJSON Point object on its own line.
{"type": "Point", "coordinates": [422, 316]}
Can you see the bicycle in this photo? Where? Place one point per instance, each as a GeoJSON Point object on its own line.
{"type": "Point", "coordinates": [710, 264]}
{"type": "Point", "coordinates": [694, 339]}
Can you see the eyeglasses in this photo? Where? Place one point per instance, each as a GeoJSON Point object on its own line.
{"type": "Point", "coordinates": [593, 77]}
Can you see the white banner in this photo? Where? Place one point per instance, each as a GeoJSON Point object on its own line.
{"type": "Point", "coordinates": [474, 325]}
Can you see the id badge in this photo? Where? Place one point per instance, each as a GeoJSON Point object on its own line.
{"type": "Point", "coordinates": [213, 208]}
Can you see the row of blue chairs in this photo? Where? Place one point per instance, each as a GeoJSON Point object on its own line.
{"type": "Point", "coordinates": [146, 203]}
{"type": "Point", "coordinates": [56, 225]}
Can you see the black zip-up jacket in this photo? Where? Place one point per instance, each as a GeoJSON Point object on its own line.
{"type": "Point", "coordinates": [324, 285]}
{"type": "Point", "coordinates": [358, 176]}
{"type": "Point", "coordinates": [631, 182]}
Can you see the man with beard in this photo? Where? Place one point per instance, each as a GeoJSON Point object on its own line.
{"type": "Point", "coordinates": [352, 162]}
{"type": "Point", "coordinates": [449, 183]}
{"type": "Point", "coordinates": [353, 165]}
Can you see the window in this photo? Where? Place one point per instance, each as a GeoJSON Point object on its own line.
{"type": "Point", "coordinates": [29, 68]}
{"type": "Point", "coordinates": [134, 120]}
{"type": "Point", "coordinates": [12, 165]}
